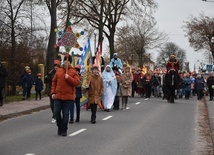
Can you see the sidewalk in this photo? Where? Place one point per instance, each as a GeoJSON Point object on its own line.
{"type": "Point", "coordinates": [210, 105]}
{"type": "Point", "coordinates": [13, 109]}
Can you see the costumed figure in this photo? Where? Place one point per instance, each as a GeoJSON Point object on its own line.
{"type": "Point", "coordinates": [172, 78]}
{"type": "Point", "coordinates": [102, 62]}
{"type": "Point", "coordinates": [110, 87]}
{"type": "Point", "coordinates": [172, 64]}
{"type": "Point", "coordinates": [116, 62]}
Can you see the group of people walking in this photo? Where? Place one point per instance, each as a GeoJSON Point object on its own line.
{"type": "Point", "coordinates": [105, 88]}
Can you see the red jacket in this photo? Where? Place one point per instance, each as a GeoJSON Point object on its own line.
{"type": "Point", "coordinates": [172, 65]}
{"type": "Point", "coordinates": [65, 89]}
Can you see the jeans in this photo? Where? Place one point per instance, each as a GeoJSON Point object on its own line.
{"type": "Point", "coordinates": [64, 107]}
{"type": "Point", "coordinates": [52, 106]}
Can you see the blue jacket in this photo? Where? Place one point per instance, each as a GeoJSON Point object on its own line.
{"type": "Point", "coordinates": [187, 82]}
{"type": "Point", "coordinates": [27, 81]}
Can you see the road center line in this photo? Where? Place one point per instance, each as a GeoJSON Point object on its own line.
{"type": "Point", "coordinates": [104, 119]}
{"type": "Point", "coordinates": [77, 132]}
{"type": "Point", "coordinates": [137, 103]}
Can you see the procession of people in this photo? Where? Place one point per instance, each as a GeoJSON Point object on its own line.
{"type": "Point", "coordinates": [109, 87]}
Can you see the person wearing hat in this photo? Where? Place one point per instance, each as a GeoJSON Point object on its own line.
{"type": "Point", "coordinates": [95, 91]}
{"type": "Point", "coordinates": [27, 83]}
{"type": "Point", "coordinates": [3, 75]}
{"type": "Point", "coordinates": [48, 82]}
{"type": "Point", "coordinates": [172, 64]}
{"type": "Point", "coordinates": [38, 86]}
{"type": "Point", "coordinates": [116, 62]}
{"type": "Point", "coordinates": [63, 92]}
{"type": "Point", "coordinates": [77, 99]}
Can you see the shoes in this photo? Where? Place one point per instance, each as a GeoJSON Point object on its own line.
{"type": "Point", "coordinates": [71, 121]}
{"type": "Point", "coordinates": [59, 132]}
{"type": "Point", "coordinates": [77, 120]}
{"type": "Point", "coordinates": [146, 98]}
{"type": "Point", "coordinates": [64, 133]}
{"type": "Point", "coordinates": [53, 121]}
{"type": "Point", "coordinates": [93, 121]}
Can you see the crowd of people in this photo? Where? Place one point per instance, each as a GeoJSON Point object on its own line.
{"type": "Point", "coordinates": [109, 88]}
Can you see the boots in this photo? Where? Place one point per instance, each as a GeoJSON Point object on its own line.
{"type": "Point", "coordinates": [125, 106]}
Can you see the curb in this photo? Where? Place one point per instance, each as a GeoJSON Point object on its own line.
{"type": "Point", "coordinates": [29, 111]}
{"type": "Point", "coordinates": [204, 133]}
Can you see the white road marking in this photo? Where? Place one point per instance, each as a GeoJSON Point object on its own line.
{"type": "Point", "coordinates": [104, 119]}
{"type": "Point", "coordinates": [30, 154]}
{"type": "Point", "coordinates": [137, 103]}
{"type": "Point", "coordinates": [77, 132]}
{"type": "Point", "coordinates": [127, 108]}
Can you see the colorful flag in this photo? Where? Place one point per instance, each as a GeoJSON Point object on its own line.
{"type": "Point", "coordinates": [98, 56]}
{"type": "Point", "coordinates": [85, 62]}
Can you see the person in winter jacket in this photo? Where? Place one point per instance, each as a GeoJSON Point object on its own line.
{"type": "Point", "coordinates": [210, 83]}
{"type": "Point", "coordinates": [95, 92]}
{"type": "Point", "coordinates": [38, 86]}
{"type": "Point", "coordinates": [199, 86]}
{"type": "Point", "coordinates": [126, 82]}
{"type": "Point", "coordinates": [187, 85]}
{"type": "Point", "coordinates": [3, 75]}
{"type": "Point", "coordinates": [63, 92]}
{"type": "Point", "coordinates": [27, 83]}
{"type": "Point", "coordinates": [77, 99]}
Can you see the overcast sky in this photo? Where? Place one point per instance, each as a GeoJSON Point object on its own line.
{"type": "Point", "coordinates": [170, 16]}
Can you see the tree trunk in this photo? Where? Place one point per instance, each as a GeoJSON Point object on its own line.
{"type": "Point", "coordinates": [51, 51]}
{"type": "Point", "coordinates": [12, 60]}
{"type": "Point", "coordinates": [111, 43]}
{"type": "Point", "coordinates": [140, 55]}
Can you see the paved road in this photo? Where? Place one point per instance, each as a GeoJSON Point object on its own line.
{"type": "Point", "coordinates": [152, 127]}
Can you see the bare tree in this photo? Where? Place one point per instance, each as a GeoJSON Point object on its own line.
{"type": "Point", "coordinates": [200, 33]}
{"type": "Point", "coordinates": [134, 39]}
{"type": "Point", "coordinates": [166, 50]}
{"type": "Point", "coordinates": [105, 15]}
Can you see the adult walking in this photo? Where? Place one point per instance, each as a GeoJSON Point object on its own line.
{"type": "Point", "coordinates": [210, 83]}
{"type": "Point", "coordinates": [110, 87]}
{"type": "Point", "coordinates": [63, 91]}
{"type": "Point", "coordinates": [77, 99]}
{"type": "Point", "coordinates": [95, 92]}
{"type": "Point", "coordinates": [3, 75]}
{"type": "Point", "coordinates": [48, 82]}
{"type": "Point", "coordinates": [199, 86]}
{"type": "Point", "coordinates": [126, 81]}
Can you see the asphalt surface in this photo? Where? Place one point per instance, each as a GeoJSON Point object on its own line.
{"type": "Point", "coordinates": [152, 127]}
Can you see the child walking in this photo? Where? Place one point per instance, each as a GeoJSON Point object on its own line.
{"type": "Point", "coordinates": [38, 86]}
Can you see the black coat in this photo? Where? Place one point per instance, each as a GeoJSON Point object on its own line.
{"type": "Point", "coordinates": [38, 85]}
{"type": "Point", "coordinates": [3, 74]}
{"type": "Point", "coordinates": [210, 81]}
